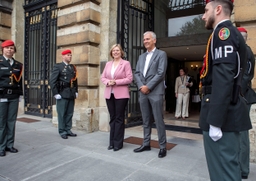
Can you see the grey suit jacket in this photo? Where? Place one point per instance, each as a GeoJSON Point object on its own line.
{"type": "Point", "coordinates": [155, 75]}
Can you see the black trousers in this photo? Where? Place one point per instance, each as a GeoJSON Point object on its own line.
{"type": "Point", "coordinates": [8, 116]}
{"type": "Point", "coordinates": [116, 109]}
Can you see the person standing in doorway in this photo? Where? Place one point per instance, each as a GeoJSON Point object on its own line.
{"type": "Point", "coordinates": [10, 92]}
{"type": "Point", "coordinates": [65, 90]}
{"type": "Point", "coordinates": [250, 96]}
{"type": "Point", "coordinates": [149, 77]}
{"type": "Point", "coordinates": [117, 75]}
{"type": "Point", "coordinates": [182, 93]}
{"type": "Point", "coordinates": [224, 112]}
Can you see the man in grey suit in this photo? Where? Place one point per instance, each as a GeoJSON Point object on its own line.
{"type": "Point", "coordinates": [149, 77]}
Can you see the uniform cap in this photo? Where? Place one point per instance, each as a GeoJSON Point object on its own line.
{"type": "Point", "coordinates": [64, 52]}
{"type": "Point", "coordinates": [242, 29]}
{"type": "Point", "coordinates": [7, 43]}
{"type": "Point", "coordinates": [207, 1]}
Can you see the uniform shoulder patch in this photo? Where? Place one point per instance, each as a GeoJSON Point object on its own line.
{"type": "Point", "coordinates": [224, 33]}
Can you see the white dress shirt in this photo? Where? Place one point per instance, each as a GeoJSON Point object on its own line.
{"type": "Point", "coordinates": [148, 57]}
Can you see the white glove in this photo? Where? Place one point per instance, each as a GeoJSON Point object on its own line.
{"type": "Point", "coordinates": [20, 98]}
{"type": "Point", "coordinates": [215, 133]}
{"type": "Point", "coordinates": [57, 96]}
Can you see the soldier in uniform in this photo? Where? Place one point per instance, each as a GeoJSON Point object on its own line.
{"type": "Point", "coordinates": [10, 91]}
{"type": "Point", "coordinates": [65, 90]}
{"type": "Point", "coordinates": [224, 112]}
{"type": "Point", "coordinates": [250, 96]}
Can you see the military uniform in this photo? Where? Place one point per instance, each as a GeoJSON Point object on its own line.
{"type": "Point", "coordinates": [64, 82]}
{"type": "Point", "coordinates": [222, 105]}
{"type": "Point", "coordinates": [10, 91]}
{"type": "Point", "coordinates": [247, 90]}
{"type": "Point", "coordinates": [250, 96]}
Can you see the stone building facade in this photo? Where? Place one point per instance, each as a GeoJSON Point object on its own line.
{"type": "Point", "coordinates": [89, 29]}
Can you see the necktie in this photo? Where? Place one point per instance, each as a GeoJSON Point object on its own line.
{"type": "Point", "coordinates": [9, 61]}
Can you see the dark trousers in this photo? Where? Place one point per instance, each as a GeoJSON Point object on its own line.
{"type": "Point", "coordinates": [65, 110]}
{"type": "Point", "coordinates": [8, 116]}
{"type": "Point", "coordinates": [222, 156]}
{"type": "Point", "coordinates": [244, 154]}
{"type": "Point", "coordinates": [116, 108]}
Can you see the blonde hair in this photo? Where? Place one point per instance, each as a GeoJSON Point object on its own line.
{"type": "Point", "coordinates": [114, 46]}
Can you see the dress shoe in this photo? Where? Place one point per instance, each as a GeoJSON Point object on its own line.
{"type": "Point", "coordinates": [116, 149]}
{"type": "Point", "coordinates": [12, 150]}
{"type": "Point", "coordinates": [110, 147]}
{"type": "Point", "coordinates": [162, 153]}
{"type": "Point", "coordinates": [142, 148]}
{"type": "Point", "coordinates": [64, 136]}
{"type": "Point", "coordinates": [244, 177]}
{"type": "Point", "coordinates": [72, 134]}
{"type": "Point", "coordinates": [2, 153]}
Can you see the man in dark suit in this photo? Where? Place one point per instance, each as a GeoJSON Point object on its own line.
{"type": "Point", "coordinates": [250, 96]}
{"type": "Point", "coordinates": [10, 92]}
{"type": "Point", "coordinates": [65, 89]}
{"type": "Point", "coordinates": [224, 112]}
{"type": "Point", "coordinates": [149, 77]}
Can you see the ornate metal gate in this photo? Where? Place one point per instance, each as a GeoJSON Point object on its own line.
{"type": "Point", "coordinates": [134, 18]}
{"type": "Point", "coordinates": [40, 55]}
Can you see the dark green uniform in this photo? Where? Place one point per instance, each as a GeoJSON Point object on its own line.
{"type": "Point", "coordinates": [10, 91]}
{"type": "Point", "coordinates": [222, 105]}
{"type": "Point", "coordinates": [250, 96]}
{"type": "Point", "coordinates": [64, 82]}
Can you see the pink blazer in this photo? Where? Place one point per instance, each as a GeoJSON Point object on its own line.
{"type": "Point", "coordinates": [123, 77]}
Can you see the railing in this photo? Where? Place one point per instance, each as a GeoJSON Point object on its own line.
{"type": "Point", "coordinates": [135, 17]}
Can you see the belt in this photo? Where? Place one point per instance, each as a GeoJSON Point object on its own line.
{"type": "Point", "coordinates": [207, 89]}
{"type": "Point", "coordinates": [9, 91]}
{"type": "Point", "coordinates": [64, 84]}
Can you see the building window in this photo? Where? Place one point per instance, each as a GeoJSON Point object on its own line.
{"type": "Point", "coordinates": [176, 5]}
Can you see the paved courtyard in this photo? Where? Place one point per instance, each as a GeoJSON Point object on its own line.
{"type": "Point", "coordinates": [44, 156]}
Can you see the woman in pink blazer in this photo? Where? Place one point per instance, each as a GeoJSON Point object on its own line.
{"type": "Point", "coordinates": [117, 75]}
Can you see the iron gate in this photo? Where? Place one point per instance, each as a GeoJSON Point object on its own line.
{"type": "Point", "coordinates": [134, 18]}
{"type": "Point", "coordinates": [40, 55]}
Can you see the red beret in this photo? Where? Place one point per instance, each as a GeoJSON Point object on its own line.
{"type": "Point", "coordinates": [207, 1]}
{"type": "Point", "coordinates": [7, 43]}
{"type": "Point", "coordinates": [241, 29]}
{"type": "Point", "coordinates": [64, 52]}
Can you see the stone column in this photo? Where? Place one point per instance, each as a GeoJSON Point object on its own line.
{"type": "Point", "coordinates": [79, 30]}
{"type": "Point", "coordinates": [5, 20]}
{"type": "Point", "coordinates": [108, 38]}
{"type": "Point", "coordinates": [17, 34]}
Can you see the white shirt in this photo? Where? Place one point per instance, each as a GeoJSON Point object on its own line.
{"type": "Point", "coordinates": [148, 57]}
